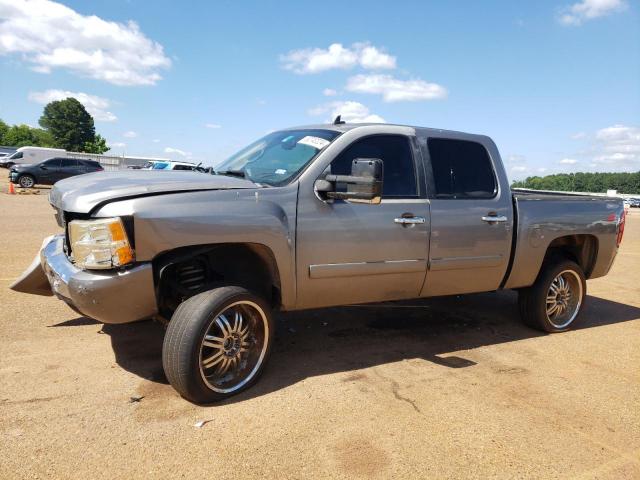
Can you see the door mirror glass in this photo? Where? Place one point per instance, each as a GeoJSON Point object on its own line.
{"type": "Point", "coordinates": [364, 185]}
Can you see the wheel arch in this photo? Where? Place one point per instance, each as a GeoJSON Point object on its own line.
{"type": "Point", "coordinates": [186, 271]}
{"type": "Point", "coordinates": [581, 248]}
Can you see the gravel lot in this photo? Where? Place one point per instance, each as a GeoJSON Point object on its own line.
{"type": "Point", "coordinates": [446, 388]}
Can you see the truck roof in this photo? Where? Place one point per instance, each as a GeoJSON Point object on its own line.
{"type": "Point", "coordinates": [344, 127]}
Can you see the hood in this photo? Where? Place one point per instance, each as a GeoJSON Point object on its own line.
{"type": "Point", "coordinates": [82, 193]}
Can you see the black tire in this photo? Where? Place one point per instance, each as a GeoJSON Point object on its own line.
{"type": "Point", "coordinates": [184, 356]}
{"type": "Point", "coordinates": [26, 181]}
{"type": "Point", "coordinates": [532, 301]}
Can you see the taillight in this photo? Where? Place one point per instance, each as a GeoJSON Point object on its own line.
{"type": "Point", "coordinates": [623, 217]}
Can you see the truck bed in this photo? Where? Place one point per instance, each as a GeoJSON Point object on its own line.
{"type": "Point", "coordinates": [545, 219]}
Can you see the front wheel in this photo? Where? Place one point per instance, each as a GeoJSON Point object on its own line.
{"type": "Point", "coordinates": [217, 344]}
{"type": "Point", "coordinates": [26, 181]}
{"type": "Point", "coordinates": [553, 302]}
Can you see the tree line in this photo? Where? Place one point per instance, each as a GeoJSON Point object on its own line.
{"type": "Point", "coordinates": [597, 182]}
{"type": "Point", "coordinates": [64, 124]}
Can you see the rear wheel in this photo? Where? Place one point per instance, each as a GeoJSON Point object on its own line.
{"type": "Point", "coordinates": [217, 344]}
{"type": "Point", "coordinates": [26, 181]}
{"type": "Point", "coordinates": [554, 301]}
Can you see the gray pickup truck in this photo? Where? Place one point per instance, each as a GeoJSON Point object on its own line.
{"type": "Point", "coordinates": [312, 217]}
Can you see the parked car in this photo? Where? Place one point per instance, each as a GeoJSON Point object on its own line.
{"type": "Point", "coordinates": [634, 202]}
{"type": "Point", "coordinates": [50, 171]}
{"type": "Point", "coordinates": [29, 155]}
{"type": "Point", "coordinates": [314, 217]}
{"type": "Point", "coordinates": [168, 165]}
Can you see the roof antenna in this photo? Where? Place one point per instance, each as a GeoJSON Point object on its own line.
{"type": "Point", "coordinates": [338, 121]}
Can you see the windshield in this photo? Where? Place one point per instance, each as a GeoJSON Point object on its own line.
{"type": "Point", "coordinates": [160, 166]}
{"type": "Point", "coordinates": [278, 157]}
{"type": "Point", "coordinates": [15, 156]}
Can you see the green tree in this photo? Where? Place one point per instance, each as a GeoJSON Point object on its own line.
{"type": "Point", "coordinates": [99, 145]}
{"type": "Point", "coordinates": [24, 135]}
{"type": "Point", "coordinates": [69, 123]}
{"type": "Point", "coordinates": [3, 131]}
{"type": "Point", "coordinates": [598, 182]}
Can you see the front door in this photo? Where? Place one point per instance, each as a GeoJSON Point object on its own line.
{"type": "Point", "coordinates": [351, 252]}
{"type": "Point", "coordinates": [49, 171]}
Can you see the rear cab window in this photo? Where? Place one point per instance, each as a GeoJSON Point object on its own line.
{"type": "Point", "coordinates": [462, 169]}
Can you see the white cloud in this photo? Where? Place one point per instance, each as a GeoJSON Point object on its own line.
{"type": "Point", "coordinates": [514, 158]}
{"type": "Point", "coordinates": [568, 161]}
{"type": "Point", "coordinates": [117, 145]}
{"type": "Point", "coordinates": [396, 90]}
{"type": "Point", "coordinates": [578, 13]}
{"type": "Point", "coordinates": [519, 169]}
{"type": "Point", "coordinates": [329, 92]}
{"type": "Point", "coordinates": [177, 151]}
{"type": "Point", "coordinates": [130, 134]}
{"type": "Point", "coordinates": [96, 106]}
{"type": "Point", "coordinates": [374, 59]}
{"type": "Point", "coordinates": [351, 112]}
{"type": "Point", "coordinates": [156, 140]}
{"type": "Point", "coordinates": [49, 35]}
{"type": "Point", "coordinates": [212, 125]}
{"type": "Point", "coordinates": [316, 60]}
{"type": "Point", "coordinates": [618, 147]}
{"type": "Point", "coordinates": [578, 136]}
{"type": "Point", "coordinates": [541, 169]}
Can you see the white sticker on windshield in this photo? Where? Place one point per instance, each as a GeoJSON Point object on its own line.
{"type": "Point", "coordinates": [315, 142]}
{"type": "Point", "coordinates": [280, 171]}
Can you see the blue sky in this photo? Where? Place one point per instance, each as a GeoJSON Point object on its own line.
{"type": "Point", "coordinates": [555, 83]}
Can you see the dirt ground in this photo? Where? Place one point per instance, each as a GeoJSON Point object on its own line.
{"type": "Point", "coordinates": [444, 388]}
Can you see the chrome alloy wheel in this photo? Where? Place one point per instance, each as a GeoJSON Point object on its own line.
{"type": "Point", "coordinates": [234, 346]}
{"type": "Point", "coordinates": [564, 298]}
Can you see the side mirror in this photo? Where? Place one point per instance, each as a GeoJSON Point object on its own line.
{"type": "Point", "coordinates": [364, 185]}
{"type": "Point", "coordinates": [43, 167]}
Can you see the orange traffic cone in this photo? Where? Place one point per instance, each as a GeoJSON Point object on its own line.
{"type": "Point", "coordinates": [12, 189]}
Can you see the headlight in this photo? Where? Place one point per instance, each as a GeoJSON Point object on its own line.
{"type": "Point", "coordinates": [100, 243]}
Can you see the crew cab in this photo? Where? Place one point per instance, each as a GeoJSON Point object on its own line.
{"type": "Point", "coordinates": [311, 217]}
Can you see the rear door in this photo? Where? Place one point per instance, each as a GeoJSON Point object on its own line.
{"type": "Point", "coordinates": [471, 215]}
{"type": "Point", "coordinates": [69, 168]}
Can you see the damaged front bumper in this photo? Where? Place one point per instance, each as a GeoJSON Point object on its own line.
{"type": "Point", "coordinates": [107, 296]}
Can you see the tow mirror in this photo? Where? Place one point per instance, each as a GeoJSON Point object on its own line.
{"type": "Point", "coordinates": [364, 185]}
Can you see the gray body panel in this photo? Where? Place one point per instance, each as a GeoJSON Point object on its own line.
{"type": "Point", "coordinates": [326, 253]}
{"type": "Point", "coordinates": [82, 194]}
{"type": "Point", "coordinates": [467, 254]}
{"type": "Point", "coordinates": [542, 218]}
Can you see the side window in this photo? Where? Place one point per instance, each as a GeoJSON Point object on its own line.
{"type": "Point", "coordinates": [69, 162]}
{"type": "Point", "coordinates": [183, 167]}
{"type": "Point", "coordinates": [461, 169]}
{"type": "Point", "coordinates": [52, 163]}
{"type": "Point", "coordinates": [395, 153]}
